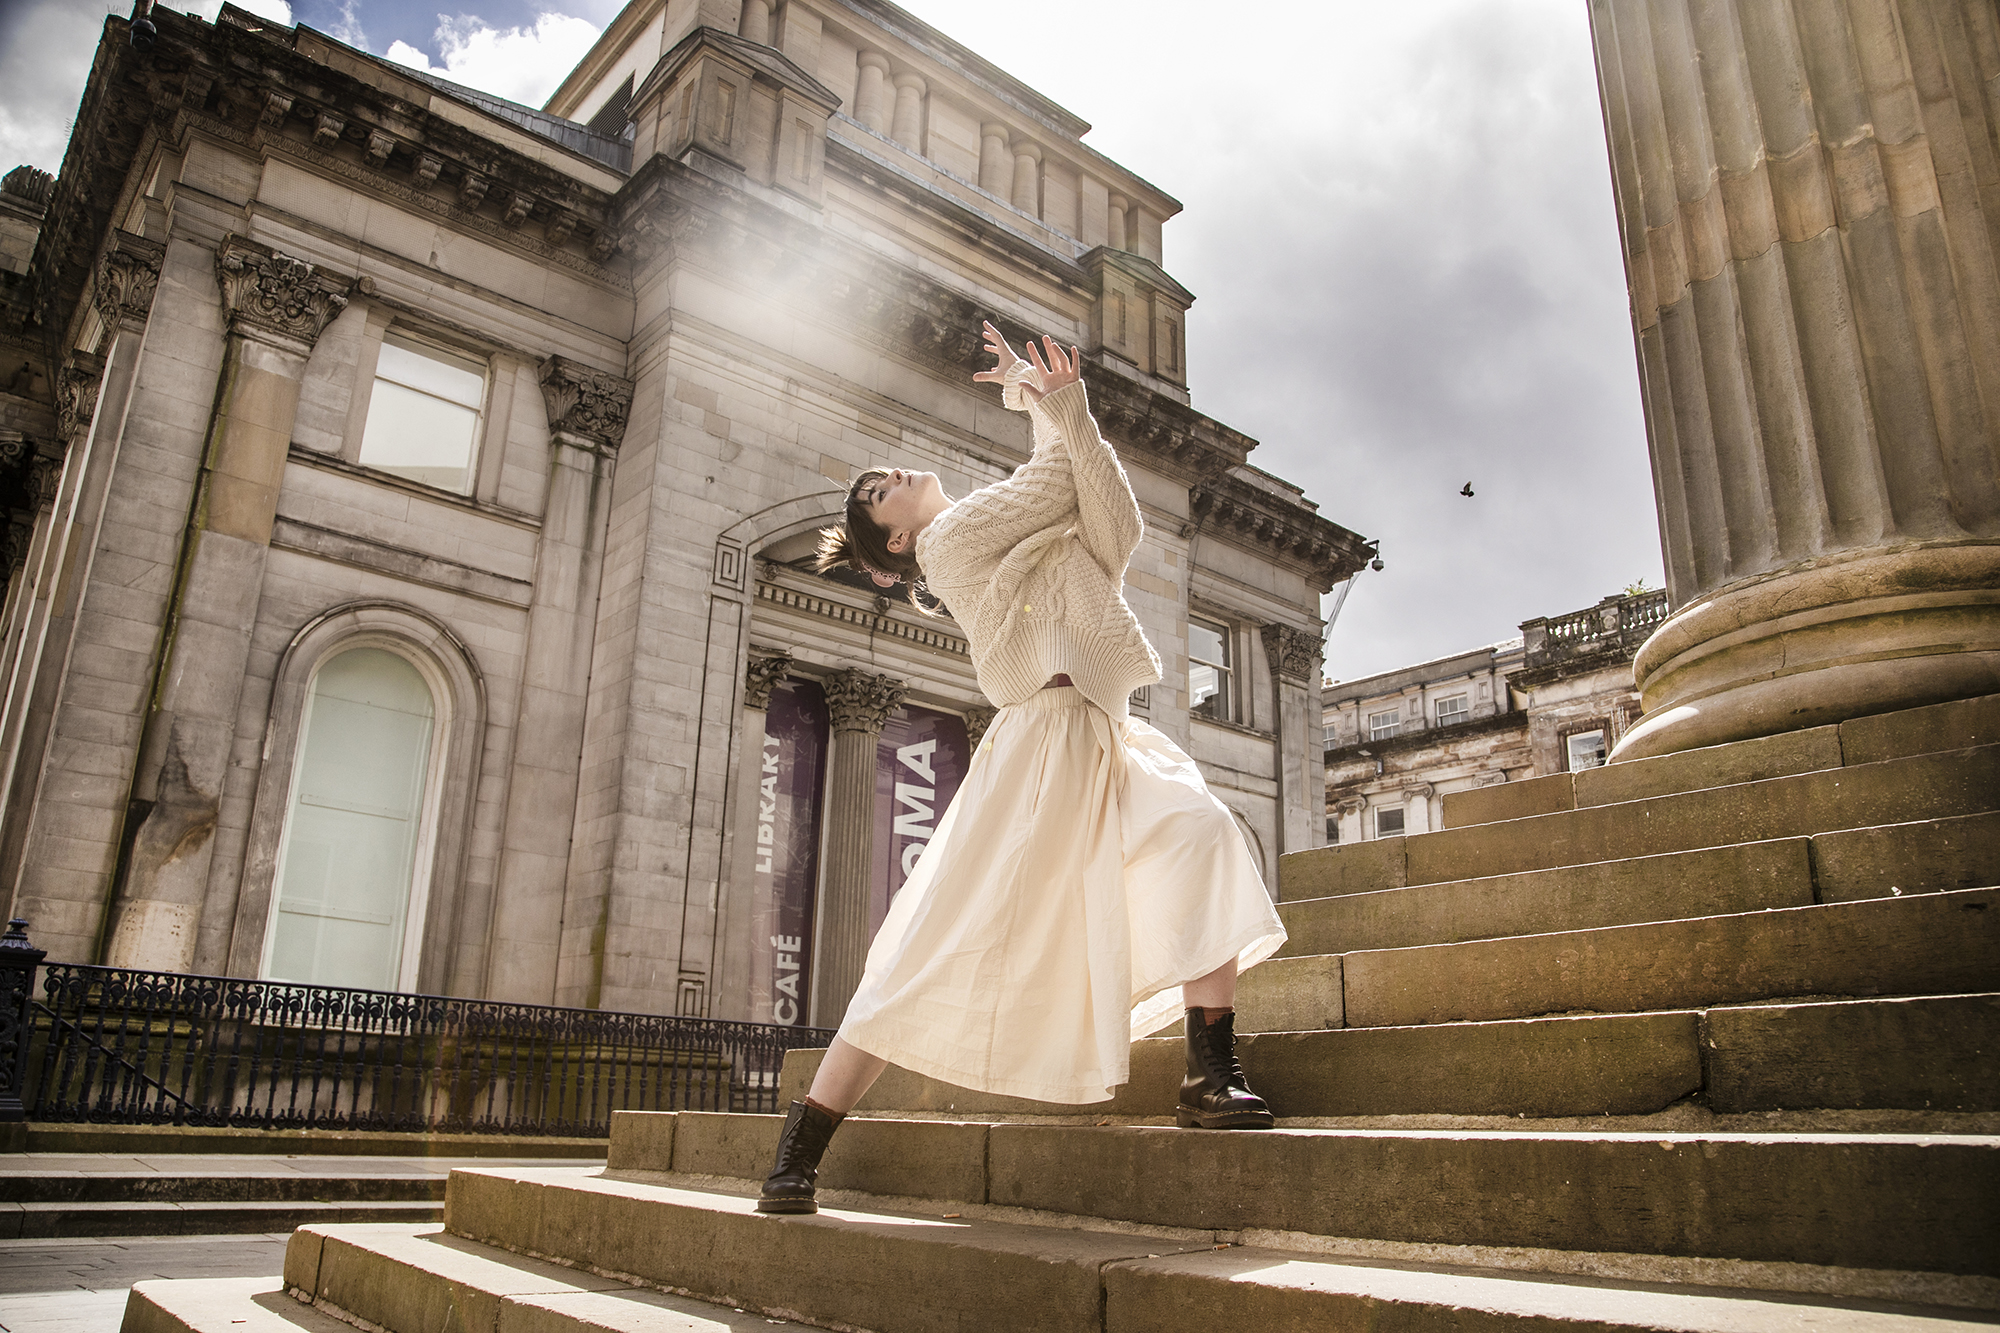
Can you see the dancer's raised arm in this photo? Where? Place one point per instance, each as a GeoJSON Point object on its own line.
{"type": "Point", "coordinates": [1108, 517]}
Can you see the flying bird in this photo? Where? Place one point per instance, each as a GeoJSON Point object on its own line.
{"type": "Point", "coordinates": [1467, 492]}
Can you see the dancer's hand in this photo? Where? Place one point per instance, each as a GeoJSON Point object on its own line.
{"type": "Point", "coordinates": [1058, 372]}
{"type": "Point", "coordinates": [997, 345]}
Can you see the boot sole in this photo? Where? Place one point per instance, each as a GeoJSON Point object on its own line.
{"type": "Point", "coordinates": [787, 1206]}
{"type": "Point", "coordinates": [1189, 1118]}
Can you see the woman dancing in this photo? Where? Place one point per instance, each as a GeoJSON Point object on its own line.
{"type": "Point", "coordinates": [1084, 887]}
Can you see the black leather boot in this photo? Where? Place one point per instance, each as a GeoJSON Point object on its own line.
{"type": "Point", "coordinates": [789, 1187]}
{"type": "Point", "coordinates": [1214, 1094]}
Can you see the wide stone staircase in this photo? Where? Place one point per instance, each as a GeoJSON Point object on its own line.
{"type": "Point", "coordinates": [1703, 1042]}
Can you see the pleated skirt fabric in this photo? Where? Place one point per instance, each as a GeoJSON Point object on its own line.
{"type": "Point", "coordinates": [1078, 878]}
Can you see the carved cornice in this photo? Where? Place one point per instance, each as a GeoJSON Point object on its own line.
{"type": "Point", "coordinates": [861, 700]}
{"type": "Point", "coordinates": [274, 297]}
{"type": "Point", "coordinates": [76, 394]}
{"type": "Point", "coordinates": [1247, 516]}
{"type": "Point", "coordinates": [977, 719]}
{"type": "Point", "coordinates": [1293, 653]}
{"type": "Point", "coordinates": [587, 406]}
{"type": "Point", "coordinates": [761, 675]}
{"type": "Point", "coordinates": [127, 277]}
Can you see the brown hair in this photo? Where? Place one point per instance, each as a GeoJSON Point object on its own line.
{"type": "Point", "coordinates": [862, 544]}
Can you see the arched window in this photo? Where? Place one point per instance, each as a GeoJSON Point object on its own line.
{"type": "Point", "coordinates": [350, 888]}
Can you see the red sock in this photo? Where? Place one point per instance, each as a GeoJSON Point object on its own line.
{"type": "Point", "coordinates": [838, 1116]}
{"type": "Point", "coordinates": [1208, 1016]}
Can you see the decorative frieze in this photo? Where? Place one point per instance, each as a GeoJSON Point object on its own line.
{"type": "Point", "coordinates": [1238, 511]}
{"type": "Point", "coordinates": [586, 405]}
{"type": "Point", "coordinates": [761, 675]}
{"type": "Point", "coordinates": [274, 296]}
{"type": "Point", "coordinates": [1293, 653]}
{"type": "Point", "coordinates": [127, 277]}
{"type": "Point", "coordinates": [862, 701]}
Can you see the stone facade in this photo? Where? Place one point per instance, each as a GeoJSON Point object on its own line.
{"type": "Point", "coordinates": [676, 331]}
{"type": "Point", "coordinates": [1556, 699]}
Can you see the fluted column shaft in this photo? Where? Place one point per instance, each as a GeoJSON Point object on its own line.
{"type": "Point", "coordinates": [858, 704]}
{"type": "Point", "coordinates": [1815, 301]}
{"type": "Point", "coordinates": [871, 92]}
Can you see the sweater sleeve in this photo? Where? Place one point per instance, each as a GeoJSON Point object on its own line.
{"type": "Point", "coordinates": [1108, 513]}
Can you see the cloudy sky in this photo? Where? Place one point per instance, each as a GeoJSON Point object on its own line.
{"type": "Point", "coordinates": [1398, 229]}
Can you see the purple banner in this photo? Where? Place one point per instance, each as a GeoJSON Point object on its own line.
{"type": "Point", "coordinates": [920, 761]}
{"type": "Point", "coordinates": [785, 865]}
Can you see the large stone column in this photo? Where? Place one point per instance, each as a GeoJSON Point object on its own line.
{"type": "Point", "coordinates": [996, 161]}
{"type": "Point", "coordinates": [871, 92]}
{"type": "Point", "coordinates": [587, 411]}
{"type": "Point", "coordinates": [907, 128]}
{"type": "Point", "coordinates": [1028, 178]}
{"type": "Point", "coordinates": [1297, 756]}
{"type": "Point", "coordinates": [859, 704]}
{"type": "Point", "coordinates": [278, 306]}
{"type": "Point", "coordinates": [1814, 295]}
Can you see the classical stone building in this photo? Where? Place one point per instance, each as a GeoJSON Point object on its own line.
{"type": "Point", "coordinates": [1555, 700]}
{"type": "Point", "coordinates": [411, 495]}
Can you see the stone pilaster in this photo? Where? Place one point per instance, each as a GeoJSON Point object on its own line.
{"type": "Point", "coordinates": [872, 95]}
{"type": "Point", "coordinates": [1027, 194]}
{"type": "Point", "coordinates": [587, 412]}
{"type": "Point", "coordinates": [1817, 311]}
{"type": "Point", "coordinates": [277, 307]}
{"type": "Point", "coordinates": [1293, 655]}
{"type": "Point", "coordinates": [907, 127]}
{"type": "Point", "coordinates": [859, 704]}
{"type": "Point", "coordinates": [92, 390]}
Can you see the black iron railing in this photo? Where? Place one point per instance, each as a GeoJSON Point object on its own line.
{"type": "Point", "coordinates": [115, 1046]}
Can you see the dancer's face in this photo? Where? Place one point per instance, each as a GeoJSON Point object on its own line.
{"type": "Point", "coordinates": [902, 503]}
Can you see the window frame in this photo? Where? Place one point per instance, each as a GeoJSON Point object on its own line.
{"type": "Point", "coordinates": [394, 328]}
{"type": "Point", "coordinates": [1458, 715]}
{"type": "Point", "coordinates": [423, 856]}
{"type": "Point", "coordinates": [1226, 670]}
{"type": "Point", "coordinates": [1377, 731]}
{"type": "Point", "coordinates": [1599, 729]}
{"type": "Point", "coordinates": [1402, 815]}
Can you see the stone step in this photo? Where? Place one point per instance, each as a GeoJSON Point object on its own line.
{"type": "Point", "coordinates": [1889, 791]}
{"type": "Point", "coordinates": [1947, 726]}
{"type": "Point", "coordinates": [1166, 1286]}
{"type": "Point", "coordinates": [35, 1221]}
{"type": "Point", "coordinates": [1929, 1053]}
{"type": "Point", "coordinates": [29, 1182]}
{"type": "Point", "coordinates": [1928, 944]}
{"type": "Point", "coordinates": [1927, 856]}
{"type": "Point", "coordinates": [1833, 1200]}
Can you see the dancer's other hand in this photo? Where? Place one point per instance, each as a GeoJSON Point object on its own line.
{"type": "Point", "coordinates": [1057, 372]}
{"type": "Point", "coordinates": [996, 344]}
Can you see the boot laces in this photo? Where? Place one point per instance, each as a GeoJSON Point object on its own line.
{"type": "Point", "coordinates": [807, 1144]}
{"type": "Point", "coordinates": [1220, 1047]}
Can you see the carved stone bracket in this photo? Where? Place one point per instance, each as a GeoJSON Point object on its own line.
{"type": "Point", "coordinates": [588, 406]}
{"type": "Point", "coordinates": [977, 719]}
{"type": "Point", "coordinates": [1293, 653]}
{"type": "Point", "coordinates": [76, 394]}
{"type": "Point", "coordinates": [127, 278]}
{"type": "Point", "coordinates": [862, 701]}
{"type": "Point", "coordinates": [761, 675]}
{"type": "Point", "coordinates": [274, 297]}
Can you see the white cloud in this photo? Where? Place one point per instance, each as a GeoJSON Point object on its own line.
{"type": "Point", "coordinates": [520, 64]}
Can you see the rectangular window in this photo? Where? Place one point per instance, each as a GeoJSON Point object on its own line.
{"type": "Point", "coordinates": [423, 414]}
{"type": "Point", "coordinates": [1453, 710]}
{"type": "Point", "coordinates": [1332, 830]}
{"type": "Point", "coordinates": [1389, 821]}
{"type": "Point", "coordinates": [1381, 726]}
{"type": "Point", "coordinates": [1586, 750]}
{"type": "Point", "coordinates": [1208, 669]}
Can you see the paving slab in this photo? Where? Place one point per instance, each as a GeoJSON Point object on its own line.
{"type": "Point", "coordinates": [1937, 1053]}
{"type": "Point", "coordinates": [198, 1218]}
{"type": "Point", "coordinates": [1710, 881]}
{"type": "Point", "coordinates": [1930, 944]}
{"type": "Point", "coordinates": [81, 1285]}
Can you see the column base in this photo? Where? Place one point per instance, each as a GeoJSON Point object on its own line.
{"type": "Point", "coordinates": [1863, 632]}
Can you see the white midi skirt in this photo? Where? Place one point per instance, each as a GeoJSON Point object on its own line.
{"type": "Point", "coordinates": [1077, 879]}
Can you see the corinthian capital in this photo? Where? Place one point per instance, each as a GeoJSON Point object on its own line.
{"type": "Point", "coordinates": [76, 394]}
{"type": "Point", "coordinates": [761, 675]}
{"type": "Point", "coordinates": [127, 277]}
{"type": "Point", "coordinates": [1293, 653]}
{"type": "Point", "coordinates": [274, 297]}
{"type": "Point", "coordinates": [861, 701]}
{"type": "Point", "coordinates": [587, 406]}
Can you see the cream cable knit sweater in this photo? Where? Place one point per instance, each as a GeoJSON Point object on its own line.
{"type": "Point", "coordinates": [1033, 567]}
